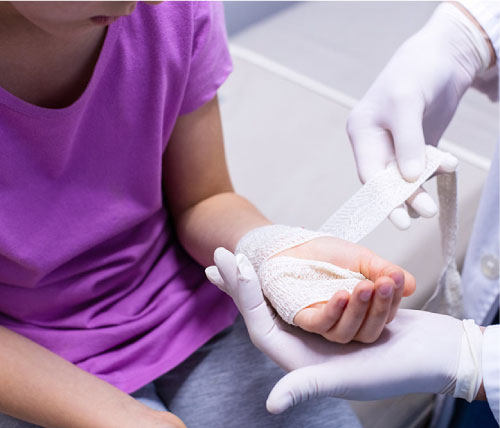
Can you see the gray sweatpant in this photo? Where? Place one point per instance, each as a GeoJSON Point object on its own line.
{"type": "Point", "coordinates": [224, 384]}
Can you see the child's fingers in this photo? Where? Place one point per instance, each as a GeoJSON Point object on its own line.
{"type": "Point", "coordinates": [373, 267]}
{"type": "Point", "coordinates": [396, 300]}
{"type": "Point", "coordinates": [354, 314]}
{"type": "Point", "coordinates": [379, 311]}
{"type": "Point", "coordinates": [320, 317]}
{"type": "Point", "coordinates": [334, 308]}
{"type": "Point", "coordinates": [404, 281]}
{"type": "Point", "coordinates": [409, 284]}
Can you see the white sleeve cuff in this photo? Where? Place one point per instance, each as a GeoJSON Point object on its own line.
{"type": "Point", "coordinates": [491, 368]}
{"type": "Point", "coordinates": [487, 13]}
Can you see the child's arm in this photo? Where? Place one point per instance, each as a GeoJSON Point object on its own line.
{"type": "Point", "coordinates": [208, 214]}
{"type": "Point", "coordinates": [200, 196]}
{"type": "Point", "coordinates": [40, 387]}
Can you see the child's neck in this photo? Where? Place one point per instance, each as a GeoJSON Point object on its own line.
{"type": "Point", "coordinates": [44, 69]}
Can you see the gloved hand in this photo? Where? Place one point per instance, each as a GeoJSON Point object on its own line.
{"type": "Point", "coordinates": [418, 352]}
{"type": "Point", "coordinates": [414, 98]}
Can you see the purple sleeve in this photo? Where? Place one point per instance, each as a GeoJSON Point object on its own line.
{"type": "Point", "coordinates": [210, 60]}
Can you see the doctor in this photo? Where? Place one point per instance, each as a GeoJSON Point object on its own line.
{"type": "Point", "coordinates": [409, 105]}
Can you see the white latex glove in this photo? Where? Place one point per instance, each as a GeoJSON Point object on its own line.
{"type": "Point", "coordinates": [413, 100]}
{"type": "Point", "coordinates": [418, 352]}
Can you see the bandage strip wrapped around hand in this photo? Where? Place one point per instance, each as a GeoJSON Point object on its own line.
{"type": "Point", "coordinates": [292, 284]}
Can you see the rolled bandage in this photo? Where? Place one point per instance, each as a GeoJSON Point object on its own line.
{"type": "Point", "coordinates": [292, 284]}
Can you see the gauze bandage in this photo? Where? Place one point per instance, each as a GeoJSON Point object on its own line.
{"type": "Point", "coordinates": [292, 284]}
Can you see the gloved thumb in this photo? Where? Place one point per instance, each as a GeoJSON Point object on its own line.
{"type": "Point", "coordinates": [298, 386]}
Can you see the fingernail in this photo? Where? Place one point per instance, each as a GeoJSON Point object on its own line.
{"type": "Point", "coordinates": [342, 303]}
{"type": "Point", "coordinates": [385, 290]}
{"type": "Point", "coordinates": [398, 278]}
{"type": "Point", "coordinates": [412, 169]}
{"type": "Point", "coordinates": [365, 295]}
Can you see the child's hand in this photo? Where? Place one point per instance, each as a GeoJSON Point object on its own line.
{"type": "Point", "coordinates": [373, 303]}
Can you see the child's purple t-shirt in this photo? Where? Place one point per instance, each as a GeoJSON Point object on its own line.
{"type": "Point", "coordinates": [90, 267]}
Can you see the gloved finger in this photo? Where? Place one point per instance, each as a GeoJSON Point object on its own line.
{"type": "Point", "coordinates": [321, 317]}
{"type": "Point", "coordinates": [449, 164]}
{"type": "Point", "coordinates": [422, 203]}
{"type": "Point", "coordinates": [400, 218]}
{"type": "Point", "coordinates": [379, 311]}
{"type": "Point", "coordinates": [354, 314]}
{"type": "Point", "coordinates": [213, 275]}
{"type": "Point", "coordinates": [372, 147]}
{"type": "Point", "coordinates": [258, 317]}
{"type": "Point", "coordinates": [227, 267]}
{"type": "Point", "coordinates": [300, 385]}
{"type": "Point", "coordinates": [408, 137]}
{"type": "Point", "coordinates": [240, 277]}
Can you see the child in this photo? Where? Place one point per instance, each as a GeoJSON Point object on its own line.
{"type": "Point", "coordinates": [112, 171]}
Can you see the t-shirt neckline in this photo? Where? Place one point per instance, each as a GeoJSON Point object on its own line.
{"type": "Point", "coordinates": [15, 103]}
